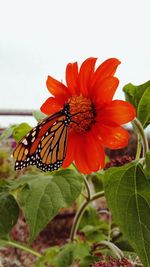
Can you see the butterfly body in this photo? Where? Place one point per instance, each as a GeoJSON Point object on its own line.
{"type": "Point", "coordinates": [45, 145]}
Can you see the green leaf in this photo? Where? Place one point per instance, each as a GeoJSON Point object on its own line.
{"type": "Point", "coordinates": [7, 132]}
{"type": "Point", "coordinates": [42, 198]}
{"type": "Point", "coordinates": [133, 93]}
{"type": "Point", "coordinates": [147, 161]}
{"type": "Point", "coordinates": [90, 217]}
{"type": "Point", "coordinates": [20, 131]}
{"type": "Point", "coordinates": [9, 212]}
{"type": "Point", "coordinates": [71, 253]}
{"type": "Point", "coordinates": [66, 256]}
{"type": "Point", "coordinates": [4, 186]}
{"type": "Point", "coordinates": [88, 261]}
{"type": "Point", "coordinates": [38, 115]}
{"type": "Point", "coordinates": [97, 180]}
{"type": "Point", "coordinates": [23, 180]}
{"type": "Point", "coordinates": [91, 225]}
{"type": "Point", "coordinates": [127, 190]}
{"type": "Point", "coordinates": [49, 257]}
{"type": "Point", "coordinates": [143, 111]}
{"type": "Point", "coordinates": [123, 244]}
{"type": "Point", "coordinates": [139, 96]}
{"type": "Point", "coordinates": [93, 234]}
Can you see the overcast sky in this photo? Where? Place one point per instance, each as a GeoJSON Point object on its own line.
{"type": "Point", "coordinates": [38, 38]}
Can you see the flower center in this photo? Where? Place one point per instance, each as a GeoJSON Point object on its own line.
{"type": "Point", "coordinates": [82, 113]}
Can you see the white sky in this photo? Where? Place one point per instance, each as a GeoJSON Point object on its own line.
{"type": "Point", "coordinates": [38, 38]}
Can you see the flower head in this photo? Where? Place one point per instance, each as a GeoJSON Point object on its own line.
{"type": "Point", "coordinates": [113, 263]}
{"type": "Point", "coordinates": [96, 117]}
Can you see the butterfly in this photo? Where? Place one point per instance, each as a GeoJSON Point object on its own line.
{"type": "Point", "coordinates": [45, 145]}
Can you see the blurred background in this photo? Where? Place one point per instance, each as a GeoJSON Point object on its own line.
{"type": "Point", "coordinates": [38, 38]}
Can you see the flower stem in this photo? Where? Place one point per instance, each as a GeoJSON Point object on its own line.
{"type": "Point", "coordinates": [87, 187]}
{"type": "Point", "coordinates": [139, 148]}
{"type": "Point", "coordinates": [20, 246]}
{"type": "Point", "coordinates": [77, 219]}
{"type": "Point", "coordinates": [80, 213]}
{"type": "Point", "coordinates": [140, 129]}
{"type": "Point", "coordinates": [85, 182]}
{"type": "Point", "coordinates": [97, 195]}
{"type": "Point", "coordinates": [113, 247]}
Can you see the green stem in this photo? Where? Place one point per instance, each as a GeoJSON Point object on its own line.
{"type": "Point", "coordinates": [87, 186]}
{"type": "Point", "coordinates": [139, 148]}
{"type": "Point", "coordinates": [113, 247]}
{"type": "Point", "coordinates": [140, 129]}
{"type": "Point", "coordinates": [77, 219]}
{"type": "Point", "coordinates": [20, 246]}
{"type": "Point", "coordinates": [85, 182]}
{"type": "Point", "coordinates": [109, 229]}
{"type": "Point", "coordinates": [97, 195]}
{"type": "Point", "coordinates": [80, 213]}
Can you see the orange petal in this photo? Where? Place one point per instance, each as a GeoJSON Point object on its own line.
{"type": "Point", "coordinates": [80, 159]}
{"type": "Point", "coordinates": [86, 74]}
{"type": "Point", "coordinates": [106, 69]}
{"type": "Point", "coordinates": [70, 153]}
{"type": "Point", "coordinates": [56, 88]}
{"type": "Point", "coordinates": [117, 111]}
{"type": "Point", "coordinates": [112, 137]}
{"type": "Point", "coordinates": [95, 155]}
{"type": "Point", "coordinates": [89, 156]}
{"type": "Point", "coordinates": [72, 77]}
{"type": "Point", "coordinates": [104, 90]}
{"type": "Point", "coordinates": [52, 105]}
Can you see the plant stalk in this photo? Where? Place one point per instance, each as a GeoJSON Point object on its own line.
{"type": "Point", "coordinates": [140, 129]}
{"type": "Point", "coordinates": [22, 247]}
{"type": "Point", "coordinates": [139, 148]}
{"type": "Point", "coordinates": [85, 182]}
{"type": "Point", "coordinates": [87, 187]}
{"type": "Point", "coordinates": [80, 213]}
{"type": "Point", "coordinates": [112, 247]}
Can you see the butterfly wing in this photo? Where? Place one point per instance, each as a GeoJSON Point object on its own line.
{"type": "Point", "coordinates": [45, 145]}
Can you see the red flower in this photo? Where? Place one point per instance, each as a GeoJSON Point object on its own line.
{"type": "Point", "coordinates": [89, 93]}
{"type": "Point", "coordinates": [114, 263]}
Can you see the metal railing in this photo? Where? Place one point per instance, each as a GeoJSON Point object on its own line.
{"type": "Point", "coordinates": [15, 112]}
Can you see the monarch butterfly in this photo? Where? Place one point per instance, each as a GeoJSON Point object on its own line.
{"type": "Point", "coordinates": [45, 145]}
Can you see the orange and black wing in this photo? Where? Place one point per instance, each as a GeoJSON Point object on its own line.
{"type": "Point", "coordinates": [45, 145]}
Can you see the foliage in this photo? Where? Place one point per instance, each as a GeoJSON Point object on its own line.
{"type": "Point", "coordinates": [38, 115]}
{"type": "Point", "coordinates": [40, 197]}
{"type": "Point", "coordinates": [7, 132]}
{"type": "Point", "coordinates": [43, 196]}
{"type": "Point", "coordinates": [127, 191]}
{"type": "Point", "coordinates": [9, 212]}
{"type": "Point", "coordinates": [95, 232]}
{"type": "Point", "coordinates": [139, 96]}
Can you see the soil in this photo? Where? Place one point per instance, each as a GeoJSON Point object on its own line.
{"type": "Point", "coordinates": [50, 236]}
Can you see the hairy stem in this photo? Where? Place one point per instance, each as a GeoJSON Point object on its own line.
{"type": "Point", "coordinates": [80, 213]}
{"type": "Point", "coordinates": [112, 247]}
{"type": "Point", "coordinates": [22, 247]}
{"type": "Point", "coordinates": [140, 129]}
{"type": "Point", "coordinates": [77, 219]}
{"type": "Point", "coordinates": [139, 148]}
{"type": "Point", "coordinates": [87, 187]}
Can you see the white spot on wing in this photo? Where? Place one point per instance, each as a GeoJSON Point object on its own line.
{"type": "Point", "coordinates": [24, 141]}
{"type": "Point", "coordinates": [33, 139]}
{"type": "Point", "coordinates": [34, 133]}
